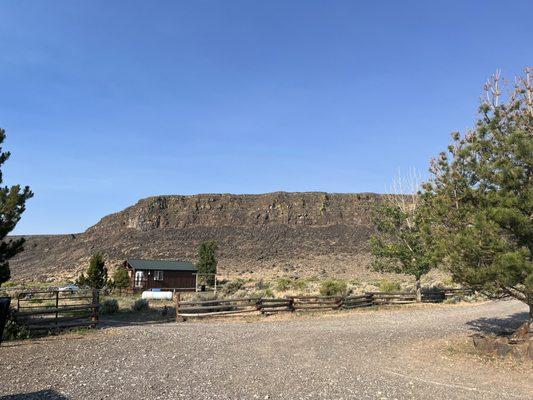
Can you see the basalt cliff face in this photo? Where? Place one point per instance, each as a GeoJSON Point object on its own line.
{"type": "Point", "coordinates": [266, 235]}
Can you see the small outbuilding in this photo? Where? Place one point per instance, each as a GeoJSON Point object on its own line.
{"type": "Point", "coordinates": [161, 274]}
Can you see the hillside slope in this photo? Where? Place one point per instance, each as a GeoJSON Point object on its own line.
{"type": "Point", "coordinates": [300, 234]}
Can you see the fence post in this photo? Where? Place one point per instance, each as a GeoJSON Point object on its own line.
{"type": "Point", "coordinates": [340, 302]}
{"type": "Point", "coordinates": [259, 305]}
{"type": "Point", "coordinates": [291, 303]}
{"type": "Point", "coordinates": [177, 298]}
{"type": "Point", "coordinates": [95, 304]}
{"type": "Point", "coordinates": [57, 308]}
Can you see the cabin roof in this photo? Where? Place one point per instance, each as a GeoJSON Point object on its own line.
{"type": "Point", "coordinates": [162, 265]}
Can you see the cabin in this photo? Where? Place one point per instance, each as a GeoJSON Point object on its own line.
{"type": "Point", "coordinates": [161, 274]}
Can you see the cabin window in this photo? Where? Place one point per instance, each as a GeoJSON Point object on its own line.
{"type": "Point", "coordinates": [158, 275]}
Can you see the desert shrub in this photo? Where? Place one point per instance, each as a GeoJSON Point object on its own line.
{"type": "Point", "coordinates": [140, 305]}
{"type": "Point", "coordinates": [109, 306]}
{"type": "Point", "coordinates": [283, 284]}
{"type": "Point", "coordinates": [262, 285]}
{"type": "Point", "coordinates": [386, 285]}
{"type": "Point", "coordinates": [333, 287]}
{"type": "Point", "coordinates": [233, 287]}
{"type": "Point", "coordinates": [299, 284]}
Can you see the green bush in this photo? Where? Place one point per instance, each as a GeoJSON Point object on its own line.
{"type": "Point", "coordinates": [140, 305]}
{"type": "Point", "coordinates": [109, 306]}
{"type": "Point", "coordinates": [333, 287]}
{"type": "Point", "coordinates": [388, 286]}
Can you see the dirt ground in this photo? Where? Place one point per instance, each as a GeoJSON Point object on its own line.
{"type": "Point", "coordinates": [419, 352]}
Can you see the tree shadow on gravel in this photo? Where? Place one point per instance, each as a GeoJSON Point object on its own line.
{"type": "Point", "coordinates": [40, 395]}
{"type": "Point", "coordinates": [499, 326]}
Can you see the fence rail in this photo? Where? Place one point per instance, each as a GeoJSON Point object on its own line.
{"type": "Point", "coordinates": [206, 308]}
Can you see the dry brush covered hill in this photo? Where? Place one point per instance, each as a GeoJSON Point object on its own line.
{"type": "Point", "coordinates": [274, 234]}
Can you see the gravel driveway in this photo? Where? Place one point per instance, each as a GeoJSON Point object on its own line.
{"type": "Point", "coordinates": [370, 354]}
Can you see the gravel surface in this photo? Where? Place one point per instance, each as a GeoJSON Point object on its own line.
{"type": "Point", "coordinates": [370, 354]}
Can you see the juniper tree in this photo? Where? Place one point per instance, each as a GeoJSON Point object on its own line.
{"type": "Point", "coordinates": [479, 201]}
{"type": "Point", "coordinates": [121, 279]}
{"type": "Point", "coordinates": [12, 205]}
{"type": "Point", "coordinates": [97, 272]}
{"type": "Point", "coordinates": [399, 245]}
{"type": "Point", "coordinates": [207, 262]}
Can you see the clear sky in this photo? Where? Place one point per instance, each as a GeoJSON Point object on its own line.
{"type": "Point", "coordinates": [107, 102]}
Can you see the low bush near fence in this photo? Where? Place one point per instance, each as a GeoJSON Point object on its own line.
{"type": "Point", "coordinates": [109, 306]}
{"type": "Point", "coordinates": [389, 286]}
{"type": "Point", "coordinates": [140, 305]}
{"type": "Point", "coordinates": [332, 287]}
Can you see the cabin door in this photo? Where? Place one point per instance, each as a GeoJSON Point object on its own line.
{"type": "Point", "coordinates": [139, 277]}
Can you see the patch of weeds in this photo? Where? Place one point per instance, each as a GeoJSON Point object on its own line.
{"type": "Point", "coordinates": [451, 300]}
{"type": "Point", "coordinates": [267, 293]}
{"type": "Point", "coordinates": [355, 282]}
{"type": "Point", "coordinates": [300, 284]}
{"type": "Point", "coordinates": [283, 284]}
{"type": "Point", "coordinates": [333, 287]}
{"type": "Point", "coordinates": [81, 329]}
{"type": "Point", "coordinates": [10, 284]}
{"type": "Point", "coordinates": [388, 286]}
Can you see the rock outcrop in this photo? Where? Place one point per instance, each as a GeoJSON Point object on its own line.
{"type": "Point", "coordinates": [270, 234]}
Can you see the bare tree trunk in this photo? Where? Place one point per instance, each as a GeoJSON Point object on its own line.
{"type": "Point", "coordinates": [530, 327]}
{"type": "Point", "coordinates": [418, 290]}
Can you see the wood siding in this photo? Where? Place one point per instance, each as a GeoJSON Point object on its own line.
{"type": "Point", "coordinates": [171, 280]}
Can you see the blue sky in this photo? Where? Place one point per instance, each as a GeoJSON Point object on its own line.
{"type": "Point", "coordinates": [107, 102]}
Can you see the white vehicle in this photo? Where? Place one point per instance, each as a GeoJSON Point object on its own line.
{"type": "Point", "coordinates": [68, 289]}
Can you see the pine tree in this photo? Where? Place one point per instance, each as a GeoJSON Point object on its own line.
{"type": "Point", "coordinates": [207, 262]}
{"type": "Point", "coordinates": [12, 205]}
{"type": "Point", "coordinates": [121, 278]}
{"type": "Point", "coordinates": [399, 245]}
{"type": "Point", "coordinates": [479, 202]}
{"type": "Point", "coordinates": [97, 272]}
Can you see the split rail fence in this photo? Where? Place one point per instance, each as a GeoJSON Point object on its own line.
{"type": "Point", "coordinates": [50, 311]}
{"type": "Point", "coordinates": [207, 308]}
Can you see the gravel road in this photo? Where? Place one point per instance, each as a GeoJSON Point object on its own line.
{"type": "Point", "coordinates": [370, 354]}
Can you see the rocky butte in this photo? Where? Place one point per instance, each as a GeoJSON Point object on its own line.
{"type": "Point", "coordinates": [264, 235]}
